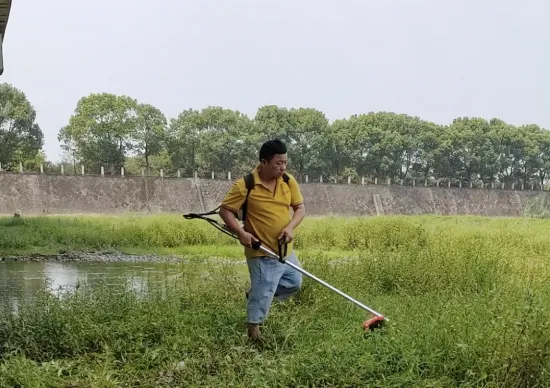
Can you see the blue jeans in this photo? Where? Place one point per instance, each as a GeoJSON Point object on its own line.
{"type": "Point", "coordinates": [270, 279]}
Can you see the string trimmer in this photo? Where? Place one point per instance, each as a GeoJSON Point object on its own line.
{"type": "Point", "coordinates": [369, 324]}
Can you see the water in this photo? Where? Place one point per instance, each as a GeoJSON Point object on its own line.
{"type": "Point", "coordinates": [22, 279]}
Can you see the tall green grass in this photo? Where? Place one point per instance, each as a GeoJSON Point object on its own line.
{"type": "Point", "coordinates": [467, 299]}
{"type": "Point", "coordinates": [25, 235]}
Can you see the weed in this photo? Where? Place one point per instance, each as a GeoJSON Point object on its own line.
{"type": "Point", "coordinates": [467, 300]}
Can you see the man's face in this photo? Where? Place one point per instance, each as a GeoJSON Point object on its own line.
{"type": "Point", "coordinates": [277, 166]}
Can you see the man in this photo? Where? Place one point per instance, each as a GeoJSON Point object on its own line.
{"type": "Point", "coordinates": [267, 219]}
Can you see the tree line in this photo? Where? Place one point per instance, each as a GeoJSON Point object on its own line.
{"type": "Point", "coordinates": [114, 131]}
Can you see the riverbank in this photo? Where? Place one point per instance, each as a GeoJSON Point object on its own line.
{"type": "Point", "coordinates": [169, 234]}
{"type": "Point", "coordinates": [103, 257]}
{"type": "Point", "coordinates": [466, 297]}
{"type": "Point", "coordinates": [174, 235]}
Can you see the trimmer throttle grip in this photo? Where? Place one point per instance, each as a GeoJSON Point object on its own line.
{"type": "Point", "coordinates": [283, 246]}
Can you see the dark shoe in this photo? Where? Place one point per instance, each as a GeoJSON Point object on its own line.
{"type": "Point", "coordinates": [254, 331]}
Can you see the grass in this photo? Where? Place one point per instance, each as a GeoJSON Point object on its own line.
{"type": "Point", "coordinates": [467, 299]}
{"type": "Point", "coordinates": [164, 234]}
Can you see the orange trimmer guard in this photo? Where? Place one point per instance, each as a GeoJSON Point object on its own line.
{"type": "Point", "coordinates": [373, 323]}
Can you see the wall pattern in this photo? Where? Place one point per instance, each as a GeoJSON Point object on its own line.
{"type": "Point", "coordinates": [35, 194]}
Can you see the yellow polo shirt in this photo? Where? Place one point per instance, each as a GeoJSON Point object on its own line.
{"type": "Point", "coordinates": [268, 213]}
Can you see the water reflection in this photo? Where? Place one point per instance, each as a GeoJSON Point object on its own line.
{"type": "Point", "coordinates": [21, 280]}
{"type": "Point", "coordinates": [62, 276]}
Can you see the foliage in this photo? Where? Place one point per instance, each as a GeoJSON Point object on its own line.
{"type": "Point", "coordinates": [21, 138]}
{"type": "Point", "coordinates": [465, 310]}
{"type": "Point", "coordinates": [67, 233]}
{"type": "Point", "coordinates": [117, 131]}
{"type": "Point", "coordinates": [212, 140]}
{"type": "Point", "coordinates": [380, 145]}
{"type": "Point", "coordinates": [100, 131]}
{"type": "Point", "coordinates": [150, 132]}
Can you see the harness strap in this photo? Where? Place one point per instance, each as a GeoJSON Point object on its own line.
{"type": "Point", "coordinates": [201, 215]}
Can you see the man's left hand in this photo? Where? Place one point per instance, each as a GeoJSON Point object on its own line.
{"type": "Point", "coordinates": [288, 234]}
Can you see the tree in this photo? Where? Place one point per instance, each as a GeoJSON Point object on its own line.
{"type": "Point", "coordinates": [21, 138]}
{"type": "Point", "coordinates": [101, 130]}
{"type": "Point", "coordinates": [150, 132]}
{"type": "Point", "coordinates": [308, 127]}
{"type": "Point", "coordinates": [212, 140]}
{"type": "Point", "coordinates": [472, 146]}
{"type": "Point", "coordinates": [273, 122]}
{"type": "Point", "coordinates": [106, 130]}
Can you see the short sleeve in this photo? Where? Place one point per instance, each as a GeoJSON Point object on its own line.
{"type": "Point", "coordinates": [235, 197]}
{"type": "Point", "coordinates": [296, 195]}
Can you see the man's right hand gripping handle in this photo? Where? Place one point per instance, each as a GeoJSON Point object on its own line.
{"type": "Point", "coordinates": [248, 239]}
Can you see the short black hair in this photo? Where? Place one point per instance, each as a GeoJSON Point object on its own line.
{"type": "Point", "coordinates": [271, 148]}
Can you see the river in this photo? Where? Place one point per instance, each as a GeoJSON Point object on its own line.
{"type": "Point", "coordinates": [21, 278]}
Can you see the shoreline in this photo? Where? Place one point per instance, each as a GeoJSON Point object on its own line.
{"type": "Point", "coordinates": [106, 257]}
{"type": "Point", "coordinates": [102, 256]}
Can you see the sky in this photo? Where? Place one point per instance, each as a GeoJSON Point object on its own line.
{"type": "Point", "coordinates": [435, 59]}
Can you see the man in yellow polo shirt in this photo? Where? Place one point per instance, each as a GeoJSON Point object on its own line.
{"type": "Point", "coordinates": [268, 218]}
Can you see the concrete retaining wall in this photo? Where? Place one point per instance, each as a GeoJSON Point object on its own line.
{"type": "Point", "coordinates": [34, 194]}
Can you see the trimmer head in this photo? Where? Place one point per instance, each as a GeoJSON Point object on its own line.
{"type": "Point", "coordinates": [373, 323]}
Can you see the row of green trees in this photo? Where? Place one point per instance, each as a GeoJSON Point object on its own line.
{"type": "Point", "coordinates": [114, 131]}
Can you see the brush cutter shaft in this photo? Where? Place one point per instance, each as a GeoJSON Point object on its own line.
{"type": "Point", "coordinates": [303, 271]}
{"type": "Point", "coordinates": [257, 245]}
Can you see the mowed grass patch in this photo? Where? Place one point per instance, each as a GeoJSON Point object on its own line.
{"type": "Point", "coordinates": [466, 297]}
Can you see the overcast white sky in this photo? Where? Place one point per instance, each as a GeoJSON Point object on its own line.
{"type": "Point", "coordinates": [437, 59]}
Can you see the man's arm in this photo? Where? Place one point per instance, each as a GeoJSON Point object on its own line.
{"type": "Point", "coordinates": [297, 204]}
{"type": "Point", "coordinates": [298, 216]}
{"type": "Point", "coordinates": [230, 220]}
{"type": "Point", "coordinates": [230, 205]}
{"type": "Point", "coordinates": [228, 216]}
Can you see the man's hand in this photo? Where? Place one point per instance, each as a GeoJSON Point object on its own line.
{"type": "Point", "coordinates": [247, 239]}
{"type": "Point", "coordinates": [287, 233]}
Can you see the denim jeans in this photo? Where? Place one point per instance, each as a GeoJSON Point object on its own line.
{"type": "Point", "coordinates": [270, 279]}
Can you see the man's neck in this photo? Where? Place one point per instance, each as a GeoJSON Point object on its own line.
{"type": "Point", "coordinates": [263, 176]}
